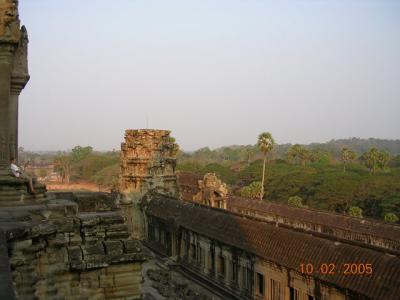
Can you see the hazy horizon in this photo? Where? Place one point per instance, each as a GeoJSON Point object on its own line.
{"type": "Point", "coordinates": [214, 73]}
{"type": "Point", "coordinates": [204, 146]}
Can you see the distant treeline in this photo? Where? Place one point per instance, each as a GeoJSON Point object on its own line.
{"type": "Point", "coordinates": [361, 176]}
{"type": "Point", "coordinates": [250, 152]}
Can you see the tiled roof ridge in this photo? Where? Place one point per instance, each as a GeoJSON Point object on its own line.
{"type": "Point", "coordinates": [331, 213]}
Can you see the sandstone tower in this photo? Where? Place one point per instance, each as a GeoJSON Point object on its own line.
{"type": "Point", "coordinates": [212, 191]}
{"type": "Point", "coordinates": [147, 163]}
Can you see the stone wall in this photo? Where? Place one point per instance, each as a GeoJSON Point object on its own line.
{"type": "Point", "coordinates": [57, 253]}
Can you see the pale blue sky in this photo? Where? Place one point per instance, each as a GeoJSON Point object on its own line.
{"type": "Point", "coordinates": [214, 72]}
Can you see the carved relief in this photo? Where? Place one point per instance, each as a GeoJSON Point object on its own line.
{"type": "Point", "coordinates": [9, 21]}
{"type": "Point", "coordinates": [212, 191]}
{"type": "Point", "coordinates": [20, 66]}
{"type": "Point", "coordinates": [145, 163]}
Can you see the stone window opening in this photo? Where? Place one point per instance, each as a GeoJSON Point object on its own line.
{"type": "Point", "coordinates": [246, 278]}
{"type": "Point", "coordinates": [234, 272]}
{"type": "Point", "coordinates": [210, 262]}
{"type": "Point", "coordinates": [200, 256]}
{"type": "Point", "coordinates": [222, 270]}
{"type": "Point", "coordinates": [275, 290]}
{"type": "Point", "coordinates": [193, 252]}
{"type": "Point", "coordinates": [260, 282]}
{"type": "Point", "coordinates": [162, 237]}
{"type": "Point", "coordinates": [295, 294]}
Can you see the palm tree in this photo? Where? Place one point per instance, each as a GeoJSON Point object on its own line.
{"type": "Point", "coordinates": [370, 159]}
{"type": "Point", "coordinates": [374, 158]}
{"type": "Point", "coordinates": [347, 156]}
{"type": "Point", "coordinates": [383, 159]}
{"type": "Point", "coordinates": [265, 143]}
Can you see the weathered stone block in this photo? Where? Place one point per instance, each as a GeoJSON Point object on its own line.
{"type": "Point", "coordinates": [74, 238]}
{"type": "Point", "coordinates": [20, 245]}
{"type": "Point", "coordinates": [92, 230]}
{"type": "Point", "coordinates": [116, 234]}
{"type": "Point", "coordinates": [16, 261]}
{"type": "Point", "coordinates": [78, 265]}
{"type": "Point", "coordinates": [75, 253]}
{"type": "Point", "coordinates": [94, 249]}
{"type": "Point", "coordinates": [113, 247]}
{"type": "Point", "coordinates": [89, 220]}
{"type": "Point", "coordinates": [45, 229]}
{"type": "Point", "coordinates": [64, 224]}
{"type": "Point", "coordinates": [111, 218]}
{"type": "Point", "coordinates": [126, 291]}
{"type": "Point", "coordinates": [59, 241]}
{"type": "Point", "coordinates": [90, 275]}
{"type": "Point", "coordinates": [127, 279]}
{"type": "Point", "coordinates": [96, 261]}
{"type": "Point", "coordinates": [106, 281]}
{"type": "Point", "coordinates": [124, 268]}
{"type": "Point", "coordinates": [55, 269]}
{"type": "Point", "coordinates": [117, 227]}
{"type": "Point", "coordinates": [132, 246]}
{"type": "Point", "coordinates": [36, 247]}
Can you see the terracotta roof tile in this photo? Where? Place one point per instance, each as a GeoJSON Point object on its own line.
{"type": "Point", "coordinates": [333, 220]}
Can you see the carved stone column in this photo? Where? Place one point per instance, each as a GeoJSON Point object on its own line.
{"type": "Point", "coordinates": [17, 84]}
{"type": "Point", "coordinates": [6, 61]}
{"type": "Point", "coordinates": [19, 79]}
{"type": "Point", "coordinates": [10, 40]}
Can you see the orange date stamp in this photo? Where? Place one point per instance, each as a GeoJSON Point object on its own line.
{"type": "Point", "coordinates": [332, 269]}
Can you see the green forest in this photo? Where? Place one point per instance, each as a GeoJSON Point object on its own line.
{"type": "Point", "coordinates": [359, 177]}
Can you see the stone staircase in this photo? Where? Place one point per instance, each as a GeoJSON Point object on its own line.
{"type": "Point", "coordinates": [14, 191]}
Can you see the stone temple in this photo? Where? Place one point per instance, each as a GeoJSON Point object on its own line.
{"type": "Point", "coordinates": [168, 235]}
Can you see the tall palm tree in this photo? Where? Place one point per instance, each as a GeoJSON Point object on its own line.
{"type": "Point", "coordinates": [265, 143]}
{"type": "Point", "coordinates": [347, 156]}
{"type": "Point", "coordinates": [383, 159]}
{"type": "Point", "coordinates": [370, 159]}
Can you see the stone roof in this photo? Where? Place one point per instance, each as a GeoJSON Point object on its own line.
{"type": "Point", "coordinates": [333, 220]}
{"type": "Point", "coordinates": [283, 246]}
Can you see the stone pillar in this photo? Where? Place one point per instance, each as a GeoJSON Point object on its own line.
{"type": "Point", "coordinates": [19, 78]}
{"type": "Point", "coordinates": [13, 78]}
{"type": "Point", "coordinates": [6, 60]}
{"type": "Point", "coordinates": [18, 82]}
{"type": "Point", "coordinates": [13, 63]}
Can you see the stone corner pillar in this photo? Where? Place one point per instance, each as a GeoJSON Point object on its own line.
{"type": "Point", "coordinates": [18, 83]}
{"type": "Point", "coordinates": [13, 60]}
{"type": "Point", "coordinates": [7, 50]}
